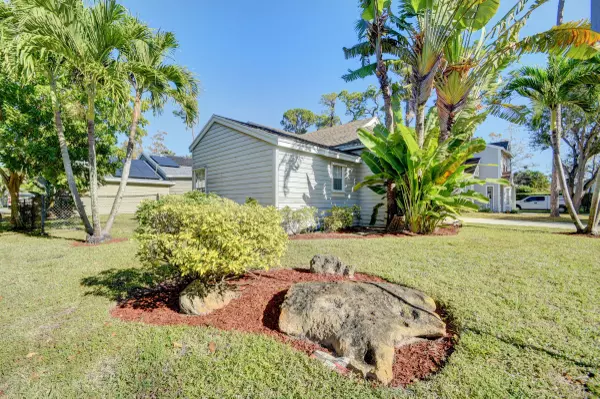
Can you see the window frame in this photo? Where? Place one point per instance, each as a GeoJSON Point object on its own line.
{"type": "Point", "coordinates": [342, 168]}
{"type": "Point", "coordinates": [195, 181]}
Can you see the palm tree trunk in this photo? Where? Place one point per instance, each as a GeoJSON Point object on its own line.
{"type": "Point", "coordinates": [420, 124]}
{"type": "Point", "coordinates": [137, 110]}
{"type": "Point", "coordinates": [96, 236]}
{"type": "Point", "coordinates": [64, 152]}
{"type": "Point", "coordinates": [592, 225]}
{"type": "Point", "coordinates": [560, 13]}
{"type": "Point", "coordinates": [384, 85]}
{"type": "Point", "coordinates": [554, 192]}
{"type": "Point", "coordinates": [556, 135]}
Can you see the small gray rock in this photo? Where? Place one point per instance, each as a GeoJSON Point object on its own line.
{"type": "Point", "coordinates": [329, 264]}
{"type": "Point", "coordinates": [199, 299]}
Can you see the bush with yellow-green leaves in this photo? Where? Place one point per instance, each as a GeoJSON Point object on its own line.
{"type": "Point", "coordinates": [208, 237]}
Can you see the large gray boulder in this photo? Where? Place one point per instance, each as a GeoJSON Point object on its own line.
{"type": "Point", "coordinates": [199, 299]}
{"type": "Point", "coordinates": [329, 264]}
{"type": "Point", "coordinates": [362, 321]}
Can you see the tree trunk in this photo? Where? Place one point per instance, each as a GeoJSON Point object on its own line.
{"type": "Point", "coordinates": [137, 110]}
{"type": "Point", "coordinates": [556, 135]}
{"type": "Point", "coordinates": [554, 191]}
{"type": "Point", "coordinates": [96, 236]}
{"type": "Point", "coordinates": [13, 181]}
{"type": "Point", "coordinates": [392, 206]}
{"type": "Point", "coordinates": [64, 152]}
{"type": "Point", "coordinates": [420, 124]}
{"type": "Point", "coordinates": [592, 225]}
{"type": "Point", "coordinates": [560, 13]}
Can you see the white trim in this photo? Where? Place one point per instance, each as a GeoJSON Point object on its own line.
{"type": "Point", "coordinates": [276, 179]}
{"type": "Point", "coordinates": [205, 178]}
{"type": "Point", "coordinates": [344, 169]}
{"type": "Point", "coordinates": [269, 138]}
{"type": "Point", "coordinates": [146, 182]}
{"type": "Point", "coordinates": [314, 149]}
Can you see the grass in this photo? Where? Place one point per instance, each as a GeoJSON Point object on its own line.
{"type": "Point", "coordinates": [527, 302]}
{"type": "Point", "coordinates": [526, 215]}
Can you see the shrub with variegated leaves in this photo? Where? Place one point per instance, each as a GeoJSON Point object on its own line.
{"type": "Point", "coordinates": [208, 236]}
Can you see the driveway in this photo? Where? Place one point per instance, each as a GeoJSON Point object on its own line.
{"type": "Point", "coordinates": [519, 223]}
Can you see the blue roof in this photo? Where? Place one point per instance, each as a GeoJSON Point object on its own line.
{"type": "Point", "coordinates": [140, 170]}
{"type": "Point", "coordinates": [164, 161]}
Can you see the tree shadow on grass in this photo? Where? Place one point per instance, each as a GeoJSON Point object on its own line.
{"type": "Point", "coordinates": [138, 287]}
{"type": "Point", "coordinates": [521, 345]}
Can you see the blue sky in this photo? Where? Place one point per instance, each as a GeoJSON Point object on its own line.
{"type": "Point", "coordinates": [255, 60]}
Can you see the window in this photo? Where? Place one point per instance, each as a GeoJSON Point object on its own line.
{"type": "Point", "coordinates": [338, 178]}
{"type": "Point", "coordinates": [535, 199]}
{"type": "Point", "coordinates": [200, 180]}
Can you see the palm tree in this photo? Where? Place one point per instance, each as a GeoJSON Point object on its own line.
{"type": "Point", "coordinates": [87, 41]}
{"type": "Point", "coordinates": [377, 37]}
{"type": "Point", "coordinates": [150, 75]}
{"type": "Point", "coordinates": [27, 60]}
{"type": "Point", "coordinates": [550, 88]}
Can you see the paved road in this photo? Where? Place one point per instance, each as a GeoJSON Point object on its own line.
{"type": "Point", "coordinates": [519, 223]}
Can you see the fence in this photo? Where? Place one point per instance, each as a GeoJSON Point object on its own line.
{"type": "Point", "coordinates": [42, 212]}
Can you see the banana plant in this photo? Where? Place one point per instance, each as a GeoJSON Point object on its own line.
{"type": "Point", "coordinates": [430, 179]}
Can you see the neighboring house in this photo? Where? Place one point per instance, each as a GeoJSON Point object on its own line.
{"type": "Point", "coordinates": [238, 160]}
{"type": "Point", "coordinates": [151, 176]}
{"type": "Point", "coordinates": [495, 163]}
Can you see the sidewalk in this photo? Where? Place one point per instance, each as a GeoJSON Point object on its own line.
{"type": "Point", "coordinates": [519, 223]}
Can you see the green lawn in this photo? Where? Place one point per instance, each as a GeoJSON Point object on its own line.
{"type": "Point", "coordinates": [527, 302]}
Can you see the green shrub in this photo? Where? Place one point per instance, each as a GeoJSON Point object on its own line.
{"type": "Point", "coordinates": [299, 220]}
{"type": "Point", "coordinates": [205, 236]}
{"type": "Point", "coordinates": [485, 210]}
{"type": "Point", "coordinates": [341, 217]}
{"type": "Point", "coordinates": [251, 201]}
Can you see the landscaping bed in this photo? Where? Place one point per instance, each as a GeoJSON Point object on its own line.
{"type": "Point", "coordinates": [257, 311]}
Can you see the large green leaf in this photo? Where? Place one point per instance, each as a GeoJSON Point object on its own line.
{"type": "Point", "coordinates": [369, 13]}
{"type": "Point", "coordinates": [477, 13]}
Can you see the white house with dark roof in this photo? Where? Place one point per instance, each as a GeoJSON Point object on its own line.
{"type": "Point", "coordinates": [238, 160]}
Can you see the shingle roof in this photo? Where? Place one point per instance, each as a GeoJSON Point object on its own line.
{"type": "Point", "coordinates": [504, 144]}
{"type": "Point", "coordinates": [338, 135]}
{"type": "Point", "coordinates": [181, 161]}
{"type": "Point", "coordinates": [329, 138]}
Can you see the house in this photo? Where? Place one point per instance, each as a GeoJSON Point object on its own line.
{"type": "Point", "coordinates": [151, 176]}
{"type": "Point", "coordinates": [495, 163]}
{"type": "Point", "coordinates": [237, 160]}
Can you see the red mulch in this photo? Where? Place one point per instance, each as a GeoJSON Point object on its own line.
{"type": "Point", "coordinates": [87, 244]}
{"type": "Point", "coordinates": [372, 233]}
{"type": "Point", "coordinates": [257, 311]}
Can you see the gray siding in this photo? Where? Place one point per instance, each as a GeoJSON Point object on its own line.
{"type": "Point", "coordinates": [368, 199]}
{"type": "Point", "coordinates": [134, 194]}
{"type": "Point", "coordinates": [306, 180]}
{"type": "Point", "coordinates": [238, 166]}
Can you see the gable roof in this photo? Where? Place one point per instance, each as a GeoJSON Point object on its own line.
{"type": "Point", "coordinates": [341, 134]}
{"type": "Point", "coordinates": [504, 144]}
{"type": "Point", "coordinates": [329, 139]}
